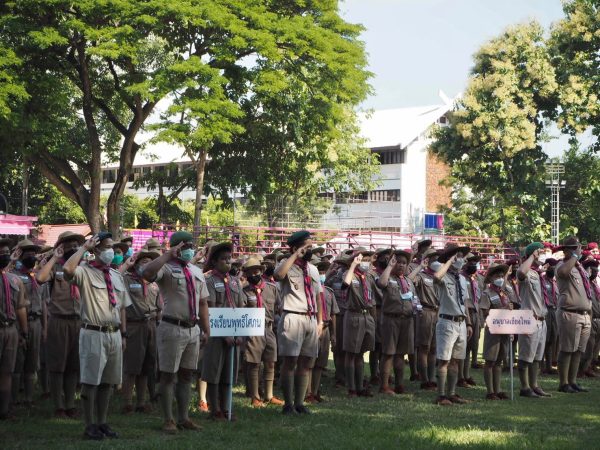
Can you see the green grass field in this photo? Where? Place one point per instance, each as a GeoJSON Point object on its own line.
{"type": "Point", "coordinates": [407, 421]}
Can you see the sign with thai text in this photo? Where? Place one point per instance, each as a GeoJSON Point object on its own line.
{"type": "Point", "coordinates": [506, 321]}
{"type": "Point", "coordinates": [236, 322]}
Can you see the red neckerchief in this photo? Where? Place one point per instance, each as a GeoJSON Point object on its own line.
{"type": "Point", "coordinates": [553, 284]}
{"type": "Point", "coordinates": [501, 294]}
{"type": "Point", "coordinates": [596, 289]}
{"type": "Point", "coordinates": [308, 290]}
{"type": "Point", "coordinates": [225, 278]}
{"type": "Point", "coordinates": [10, 312]}
{"type": "Point", "coordinates": [515, 285]}
{"type": "Point", "coordinates": [365, 288]}
{"type": "Point", "coordinates": [269, 279]}
{"type": "Point", "coordinates": [75, 295]}
{"type": "Point", "coordinates": [133, 274]}
{"type": "Point", "coordinates": [544, 292]}
{"type": "Point", "coordinates": [324, 312]}
{"type": "Point", "coordinates": [258, 289]}
{"type": "Point", "coordinates": [404, 284]}
{"type": "Point", "coordinates": [191, 288]}
{"type": "Point", "coordinates": [29, 273]}
{"type": "Point", "coordinates": [586, 280]}
{"type": "Point", "coordinates": [474, 286]}
{"type": "Point", "coordinates": [109, 286]}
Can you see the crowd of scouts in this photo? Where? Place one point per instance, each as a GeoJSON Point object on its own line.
{"type": "Point", "coordinates": [89, 315]}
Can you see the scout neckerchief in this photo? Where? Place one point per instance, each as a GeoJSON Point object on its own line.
{"type": "Point", "coordinates": [109, 286]}
{"type": "Point", "coordinates": [515, 286]}
{"type": "Point", "coordinates": [74, 289]}
{"type": "Point", "coordinates": [404, 287]}
{"type": "Point", "coordinates": [544, 291]}
{"type": "Point", "coordinates": [596, 289]}
{"type": "Point", "coordinates": [133, 274]}
{"type": "Point", "coordinates": [10, 313]}
{"type": "Point", "coordinates": [308, 290]}
{"type": "Point", "coordinates": [269, 279]}
{"type": "Point", "coordinates": [258, 289]}
{"type": "Point", "coordinates": [29, 274]}
{"type": "Point", "coordinates": [459, 291]}
{"type": "Point", "coordinates": [225, 278]}
{"type": "Point", "coordinates": [474, 287]}
{"type": "Point", "coordinates": [585, 279]}
{"type": "Point", "coordinates": [501, 294]}
{"type": "Point", "coordinates": [191, 288]}
{"type": "Point", "coordinates": [365, 288]}
{"type": "Point", "coordinates": [324, 311]}
{"type": "Point", "coordinates": [551, 302]}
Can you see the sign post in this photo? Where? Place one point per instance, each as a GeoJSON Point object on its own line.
{"type": "Point", "coordinates": [511, 322]}
{"type": "Point", "coordinates": [235, 322]}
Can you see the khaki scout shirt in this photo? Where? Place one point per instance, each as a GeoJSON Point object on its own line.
{"type": "Point", "coordinates": [552, 297]}
{"type": "Point", "coordinates": [447, 294]}
{"type": "Point", "coordinates": [331, 303]}
{"type": "Point", "coordinates": [33, 293]}
{"type": "Point", "coordinates": [142, 307]}
{"type": "Point", "coordinates": [355, 298]}
{"type": "Point", "coordinates": [95, 305]}
{"type": "Point", "coordinates": [425, 290]}
{"type": "Point", "coordinates": [270, 298]}
{"type": "Point", "coordinates": [17, 294]}
{"type": "Point", "coordinates": [61, 301]}
{"type": "Point", "coordinates": [173, 288]}
{"type": "Point", "coordinates": [471, 298]}
{"type": "Point", "coordinates": [217, 295]}
{"type": "Point", "coordinates": [490, 299]}
{"type": "Point", "coordinates": [293, 296]}
{"type": "Point", "coordinates": [532, 297]}
{"type": "Point", "coordinates": [572, 295]}
{"type": "Point", "coordinates": [394, 300]}
{"type": "Point", "coordinates": [377, 291]}
{"type": "Point", "coordinates": [596, 299]}
{"type": "Point", "coordinates": [335, 281]}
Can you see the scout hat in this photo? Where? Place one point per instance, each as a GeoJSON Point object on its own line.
{"type": "Point", "coordinates": [362, 251]}
{"type": "Point", "coordinates": [152, 244]}
{"type": "Point", "coordinates": [552, 262]}
{"type": "Point", "coordinates": [473, 257]}
{"type": "Point", "coordinates": [532, 248]}
{"type": "Point", "coordinates": [127, 239]}
{"type": "Point", "coordinates": [252, 263]}
{"type": "Point", "coordinates": [423, 243]}
{"type": "Point", "coordinates": [431, 252]}
{"type": "Point", "coordinates": [452, 248]}
{"type": "Point", "coordinates": [323, 266]}
{"type": "Point", "coordinates": [319, 250]}
{"type": "Point", "coordinates": [146, 253]}
{"type": "Point", "coordinates": [494, 270]}
{"type": "Point", "coordinates": [570, 243]}
{"type": "Point", "coordinates": [298, 237]}
{"type": "Point", "coordinates": [26, 244]}
{"type": "Point", "coordinates": [67, 236]}
{"type": "Point", "coordinates": [215, 250]}
{"type": "Point", "coordinates": [180, 236]}
{"type": "Point", "coordinates": [104, 235]}
{"type": "Point", "coordinates": [406, 253]}
{"type": "Point", "coordinates": [382, 251]}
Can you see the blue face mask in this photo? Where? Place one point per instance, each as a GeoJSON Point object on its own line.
{"type": "Point", "coordinates": [187, 254]}
{"type": "Point", "coordinates": [129, 253]}
{"type": "Point", "coordinates": [322, 278]}
{"type": "Point", "coordinates": [18, 265]}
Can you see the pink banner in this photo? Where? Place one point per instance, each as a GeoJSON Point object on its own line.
{"type": "Point", "coordinates": [516, 321]}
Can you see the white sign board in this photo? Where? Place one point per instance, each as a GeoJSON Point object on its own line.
{"type": "Point", "coordinates": [236, 322]}
{"type": "Point", "coordinates": [507, 321]}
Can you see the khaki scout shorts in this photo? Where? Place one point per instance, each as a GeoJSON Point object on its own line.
{"type": "Point", "coordinates": [359, 332]}
{"type": "Point", "coordinates": [262, 348]}
{"type": "Point", "coordinates": [216, 364]}
{"type": "Point", "coordinates": [450, 340]}
{"type": "Point", "coordinates": [100, 357]}
{"type": "Point", "coordinates": [62, 345]}
{"type": "Point", "coordinates": [9, 342]}
{"type": "Point", "coordinates": [426, 322]}
{"type": "Point", "coordinates": [397, 335]}
{"type": "Point", "coordinates": [28, 358]}
{"type": "Point", "coordinates": [574, 331]}
{"type": "Point", "coordinates": [531, 346]}
{"type": "Point", "coordinates": [140, 352]}
{"type": "Point", "coordinates": [495, 346]}
{"type": "Point", "coordinates": [297, 336]}
{"type": "Point", "coordinates": [177, 346]}
{"type": "Point", "coordinates": [324, 344]}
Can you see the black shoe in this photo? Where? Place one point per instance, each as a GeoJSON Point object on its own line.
{"type": "Point", "coordinates": [301, 409]}
{"type": "Point", "coordinates": [578, 388]}
{"type": "Point", "coordinates": [528, 393]}
{"type": "Point", "coordinates": [289, 410]}
{"type": "Point", "coordinates": [93, 433]}
{"type": "Point", "coordinates": [567, 389]}
{"type": "Point", "coordinates": [106, 431]}
{"type": "Point", "coordinates": [539, 391]}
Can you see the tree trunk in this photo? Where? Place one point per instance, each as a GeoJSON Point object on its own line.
{"type": "Point", "coordinates": [200, 166]}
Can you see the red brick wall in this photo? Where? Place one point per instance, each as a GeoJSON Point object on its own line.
{"type": "Point", "coordinates": [436, 194]}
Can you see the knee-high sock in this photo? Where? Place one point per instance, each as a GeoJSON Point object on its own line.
{"type": "Point", "coordinates": [461, 369]}
{"type": "Point", "coordinates": [5, 384]}
{"type": "Point", "coordinates": [533, 374]}
{"type": "Point", "coordinates": [269, 375]}
{"type": "Point", "coordinates": [300, 386]}
{"type": "Point", "coordinates": [183, 392]}
{"type": "Point", "coordinates": [202, 390]}
{"type": "Point", "coordinates": [488, 376]}
{"type": "Point", "coordinates": [16, 385]}
{"type": "Point", "coordinates": [151, 377]}
{"type": "Point", "coordinates": [127, 389]}
{"type": "Point", "coordinates": [43, 376]}
{"type": "Point", "coordinates": [56, 389]}
{"type": "Point", "coordinates": [497, 378]}
{"type": "Point", "coordinates": [412, 362]}
{"type": "Point", "coordinates": [467, 368]}
{"type": "Point", "coordinates": [70, 387]}
{"type": "Point", "coordinates": [524, 374]}
{"type": "Point", "coordinates": [359, 368]}
{"type": "Point", "coordinates": [374, 363]}
{"type": "Point", "coordinates": [167, 386]}
{"type": "Point", "coordinates": [88, 400]}
{"type": "Point", "coordinates": [252, 379]}
{"type": "Point", "coordinates": [574, 367]}
{"type": "Point", "coordinates": [340, 365]}
{"type": "Point", "coordinates": [350, 370]}
{"type": "Point", "coordinates": [386, 370]}
{"type": "Point", "coordinates": [141, 384]}
{"type": "Point", "coordinates": [564, 361]}
{"type": "Point", "coordinates": [431, 367]}
{"type": "Point", "coordinates": [224, 396]}
{"type": "Point", "coordinates": [316, 380]}
{"type": "Point", "coordinates": [422, 366]}
{"type": "Point", "coordinates": [452, 380]}
{"type": "Point", "coordinates": [102, 402]}
{"type": "Point", "coordinates": [287, 386]}
{"type": "Point", "coordinates": [442, 376]}
{"type": "Point", "coordinates": [398, 371]}
{"type": "Point", "coordinates": [212, 393]}
{"type": "Point", "coordinates": [29, 383]}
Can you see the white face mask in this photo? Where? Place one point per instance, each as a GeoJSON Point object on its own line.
{"type": "Point", "coordinates": [365, 266]}
{"type": "Point", "coordinates": [106, 256]}
{"type": "Point", "coordinates": [458, 263]}
{"type": "Point", "coordinates": [542, 259]}
{"type": "Point", "coordinates": [499, 282]}
{"type": "Point", "coordinates": [322, 278]}
{"type": "Point", "coordinates": [435, 266]}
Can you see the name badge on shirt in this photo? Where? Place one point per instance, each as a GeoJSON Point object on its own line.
{"type": "Point", "coordinates": [176, 270]}
{"type": "Point", "coordinates": [428, 281]}
{"type": "Point", "coordinates": [406, 296]}
{"type": "Point", "coordinates": [495, 299]}
{"type": "Point", "coordinates": [135, 286]}
{"type": "Point", "coordinates": [219, 285]}
{"type": "Point", "coordinates": [24, 277]}
{"type": "Point", "coordinates": [337, 286]}
{"type": "Point", "coordinates": [60, 274]}
{"type": "Point", "coordinates": [356, 282]}
{"type": "Point", "coordinates": [253, 298]}
{"type": "Point", "coordinates": [394, 282]}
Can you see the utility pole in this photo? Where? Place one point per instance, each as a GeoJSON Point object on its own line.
{"type": "Point", "coordinates": [555, 184]}
{"type": "Point", "coordinates": [25, 190]}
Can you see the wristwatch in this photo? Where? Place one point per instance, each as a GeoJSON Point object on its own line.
{"type": "Point", "coordinates": [124, 334]}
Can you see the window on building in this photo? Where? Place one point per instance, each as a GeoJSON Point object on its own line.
{"type": "Point", "coordinates": [146, 170]}
{"type": "Point", "coordinates": [391, 156]}
{"type": "Point", "coordinates": [109, 175]}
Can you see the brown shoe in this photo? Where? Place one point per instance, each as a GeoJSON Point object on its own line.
{"type": "Point", "coordinates": [60, 414]}
{"type": "Point", "coordinates": [387, 390]}
{"type": "Point", "coordinates": [443, 401]}
{"type": "Point", "coordinates": [169, 427]}
{"type": "Point", "coordinates": [471, 382]}
{"type": "Point", "coordinates": [189, 425]}
{"type": "Point", "coordinates": [492, 396]}
{"type": "Point", "coordinates": [399, 389]}
{"type": "Point", "coordinates": [463, 383]}
{"type": "Point", "coordinates": [458, 399]}
{"type": "Point", "coordinates": [144, 409]}
{"type": "Point", "coordinates": [72, 413]}
{"type": "Point", "coordinates": [502, 396]}
{"type": "Point", "coordinates": [202, 406]}
{"type": "Point", "coordinates": [352, 394]}
{"type": "Point", "coordinates": [319, 398]}
{"type": "Point", "coordinates": [365, 393]}
{"type": "Point", "coordinates": [217, 416]}
{"type": "Point", "coordinates": [257, 403]}
{"type": "Point", "coordinates": [590, 373]}
{"type": "Point", "coordinates": [275, 401]}
{"type": "Point", "coordinates": [127, 410]}
{"type": "Point", "coordinates": [310, 398]}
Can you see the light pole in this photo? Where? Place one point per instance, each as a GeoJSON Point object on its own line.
{"type": "Point", "coordinates": [555, 184]}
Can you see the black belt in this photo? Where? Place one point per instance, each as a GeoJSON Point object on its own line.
{"type": "Point", "coordinates": [298, 313]}
{"type": "Point", "coordinates": [360, 311]}
{"type": "Point", "coordinates": [33, 317]}
{"type": "Point", "coordinates": [7, 324]}
{"type": "Point", "coordinates": [180, 323]}
{"type": "Point", "coordinates": [473, 310]}
{"type": "Point", "coordinates": [433, 308]}
{"type": "Point", "coordinates": [397, 315]}
{"type": "Point", "coordinates": [581, 312]}
{"type": "Point", "coordinates": [144, 320]}
{"type": "Point", "coordinates": [102, 329]}
{"type": "Point", "coordinates": [452, 318]}
{"type": "Point", "coordinates": [552, 308]}
{"type": "Point", "coordinates": [66, 316]}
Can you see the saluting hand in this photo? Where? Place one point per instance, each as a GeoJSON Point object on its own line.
{"type": "Point", "coordinates": [302, 250]}
{"type": "Point", "coordinates": [393, 260]}
{"type": "Point", "coordinates": [91, 243]}
{"type": "Point", "coordinates": [357, 260]}
{"type": "Point", "coordinates": [14, 256]}
{"type": "Point", "coordinates": [174, 250]}
{"type": "Point", "coordinates": [59, 252]}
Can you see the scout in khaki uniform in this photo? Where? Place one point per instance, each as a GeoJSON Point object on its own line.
{"type": "Point", "coordinates": [329, 310]}
{"type": "Point", "coordinates": [473, 292]}
{"type": "Point", "coordinates": [64, 324]}
{"type": "Point", "coordinates": [13, 309]}
{"type": "Point", "coordinates": [185, 295]}
{"type": "Point", "coordinates": [28, 357]}
{"type": "Point", "coordinates": [139, 358]}
{"type": "Point", "coordinates": [261, 294]}
{"type": "Point", "coordinates": [225, 291]}
{"type": "Point", "coordinates": [549, 282]}
{"type": "Point", "coordinates": [152, 245]}
{"type": "Point", "coordinates": [427, 317]}
{"type": "Point", "coordinates": [593, 345]}
{"type": "Point", "coordinates": [397, 328]}
{"type": "Point", "coordinates": [103, 303]}
{"type": "Point", "coordinates": [453, 327]}
{"type": "Point", "coordinates": [573, 317]}
{"type": "Point", "coordinates": [301, 324]}
{"type": "Point", "coordinates": [128, 240]}
{"type": "Point", "coordinates": [494, 345]}
{"type": "Point", "coordinates": [359, 320]}
{"type": "Point", "coordinates": [381, 258]}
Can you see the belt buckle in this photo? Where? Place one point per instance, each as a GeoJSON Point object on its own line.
{"type": "Point", "coordinates": [111, 328]}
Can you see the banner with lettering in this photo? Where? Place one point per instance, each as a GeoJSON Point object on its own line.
{"type": "Point", "coordinates": [516, 321]}
{"type": "Point", "coordinates": [236, 322]}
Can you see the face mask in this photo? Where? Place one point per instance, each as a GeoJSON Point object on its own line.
{"type": "Point", "coordinates": [4, 260]}
{"type": "Point", "coordinates": [86, 255]}
{"type": "Point", "coordinates": [478, 266]}
{"type": "Point", "coordinates": [435, 265]}
{"type": "Point", "coordinates": [577, 256]}
{"type": "Point", "coordinates": [499, 282]}
{"type": "Point", "coordinates": [550, 272]}
{"type": "Point", "coordinates": [322, 278]}
{"type": "Point", "coordinates": [234, 271]}
{"type": "Point", "coordinates": [270, 271]}
{"type": "Point", "coordinates": [254, 279]}
{"type": "Point", "coordinates": [471, 269]}
{"type": "Point", "coordinates": [139, 270]}
{"type": "Point", "coordinates": [29, 262]}
{"type": "Point", "coordinates": [69, 253]}
{"type": "Point", "coordinates": [308, 255]}
{"type": "Point", "coordinates": [106, 256]}
{"type": "Point", "coordinates": [129, 252]}
{"type": "Point", "coordinates": [187, 254]}
{"type": "Point", "coordinates": [458, 263]}
{"type": "Point", "coordinates": [18, 265]}
{"type": "Point", "coordinates": [118, 259]}
{"type": "Point", "coordinates": [542, 259]}
{"type": "Point", "coordinates": [364, 266]}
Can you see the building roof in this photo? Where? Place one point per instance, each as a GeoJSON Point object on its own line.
{"type": "Point", "coordinates": [16, 225]}
{"type": "Point", "coordinates": [48, 234]}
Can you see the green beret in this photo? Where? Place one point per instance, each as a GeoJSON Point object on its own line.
{"type": "Point", "coordinates": [532, 248]}
{"type": "Point", "coordinates": [298, 237]}
{"type": "Point", "coordinates": [180, 236]}
{"type": "Point", "coordinates": [104, 235]}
